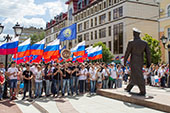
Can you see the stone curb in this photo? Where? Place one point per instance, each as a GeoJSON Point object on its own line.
{"type": "Point", "coordinates": [142, 102]}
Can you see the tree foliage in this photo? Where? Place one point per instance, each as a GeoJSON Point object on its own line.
{"type": "Point", "coordinates": [37, 37]}
{"type": "Point", "coordinates": [107, 55]}
{"type": "Point", "coordinates": [155, 48]}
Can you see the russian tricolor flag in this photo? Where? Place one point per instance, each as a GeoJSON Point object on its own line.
{"type": "Point", "coordinates": [38, 48]}
{"type": "Point", "coordinates": [95, 53]}
{"type": "Point", "coordinates": [52, 50]}
{"type": "Point", "coordinates": [79, 50]}
{"type": "Point", "coordinates": [23, 49]}
{"type": "Point", "coordinates": [10, 47]}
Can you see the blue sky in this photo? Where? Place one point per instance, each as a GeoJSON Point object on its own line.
{"type": "Point", "coordinates": [28, 13]}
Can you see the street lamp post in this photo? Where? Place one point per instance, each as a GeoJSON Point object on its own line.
{"type": "Point", "coordinates": [18, 30]}
{"type": "Point", "coordinates": [164, 41]}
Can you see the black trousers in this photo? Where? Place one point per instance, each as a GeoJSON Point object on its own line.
{"type": "Point", "coordinates": [27, 87]}
{"type": "Point", "coordinates": [82, 85]}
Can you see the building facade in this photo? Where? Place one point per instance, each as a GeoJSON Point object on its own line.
{"type": "Point", "coordinates": [29, 31]}
{"type": "Point", "coordinates": [165, 25]}
{"type": "Point", "coordinates": [108, 21]}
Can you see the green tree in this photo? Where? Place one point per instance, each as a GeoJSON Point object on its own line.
{"type": "Point", "coordinates": [37, 37]}
{"type": "Point", "coordinates": [107, 55]}
{"type": "Point", "coordinates": [155, 48]}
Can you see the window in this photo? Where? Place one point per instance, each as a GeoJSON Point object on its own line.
{"type": "Point", "coordinates": [100, 6]}
{"type": "Point", "coordinates": [104, 4]}
{"type": "Point", "coordinates": [95, 21]}
{"type": "Point", "coordinates": [70, 14]}
{"type": "Point", "coordinates": [86, 2]}
{"type": "Point", "coordinates": [102, 33]}
{"type": "Point", "coordinates": [80, 38]}
{"type": "Point", "coordinates": [86, 36]}
{"type": "Point", "coordinates": [95, 8]}
{"type": "Point", "coordinates": [110, 2]}
{"type": "Point", "coordinates": [117, 13]}
{"type": "Point", "coordinates": [169, 33]}
{"type": "Point", "coordinates": [118, 38]}
{"type": "Point", "coordinates": [79, 4]}
{"type": "Point", "coordinates": [84, 14]}
{"type": "Point", "coordinates": [102, 19]}
{"type": "Point", "coordinates": [70, 44]}
{"type": "Point", "coordinates": [95, 34]}
{"type": "Point", "coordinates": [168, 11]}
{"type": "Point", "coordinates": [91, 35]}
{"type": "Point", "coordinates": [52, 29]}
{"type": "Point", "coordinates": [110, 31]}
{"type": "Point", "coordinates": [109, 16]}
{"type": "Point", "coordinates": [91, 22]}
{"type": "Point", "coordinates": [86, 25]}
{"type": "Point", "coordinates": [79, 27]}
{"type": "Point", "coordinates": [110, 45]}
{"type": "Point", "coordinates": [91, 10]}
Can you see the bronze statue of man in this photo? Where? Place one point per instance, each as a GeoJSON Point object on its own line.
{"type": "Point", "coordinates": [136, 49]}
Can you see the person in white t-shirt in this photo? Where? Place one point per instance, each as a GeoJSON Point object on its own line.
{"type": "Point", "coordinates": [82, 78]}
{"type": "Point", "coordinates": [100, 78]}
{"type": "Point", "coordinates": [34, 70]}
{"type": "Point", "coordinates": [113, 76]}
{"type": "Point", "coordinates": [120, 76]}
{"type": "Point", "coordinates": [12, 73]}
{"type": "Point", "coordinates": [92, 74]}
{"type": "Point", "coordinates": [38, 82]}
{"type": "Point", "coordinates": [162, 73]}
{"type": "Point", "coordinates": [106, 73]}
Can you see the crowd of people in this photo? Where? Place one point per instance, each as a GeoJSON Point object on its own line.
{"type": "Point", "coordinates": [55, 79]}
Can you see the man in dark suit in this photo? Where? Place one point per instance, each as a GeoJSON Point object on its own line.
{"type": "Point", "coordinates": [136, 49]}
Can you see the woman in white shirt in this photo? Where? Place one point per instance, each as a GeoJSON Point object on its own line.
{"type": "Point", "coordinates": [120, 76]}
{"type": "Point", "coordinates": [106, 73]}
{"type": "Point", "coordinates": [38, 82]}
{"type": "Point", "coordinates": [113, 76]}
{"type": "Point", "coordinates": [82, 78]}
{"type": "Point", "coordinates": [92, 74]}
{"type": "Point", "coordinates": [162, 76]}
{"type": "Point", "coordinates": [100, 78]}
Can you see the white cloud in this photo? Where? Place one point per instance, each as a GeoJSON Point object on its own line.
{"type": "Point", "coordinates": [55, 8]}
{"type": "Point", "coordinates": [16, 10]}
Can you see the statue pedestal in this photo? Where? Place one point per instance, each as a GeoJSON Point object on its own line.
{"type": "Point", "coordinates": [156, 98]}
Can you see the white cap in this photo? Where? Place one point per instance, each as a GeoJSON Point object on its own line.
{"type": "Point", "coordinates": [136, 30]}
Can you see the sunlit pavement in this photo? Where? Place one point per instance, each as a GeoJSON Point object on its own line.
{"type": "Point", "coordinates": [73, 104]}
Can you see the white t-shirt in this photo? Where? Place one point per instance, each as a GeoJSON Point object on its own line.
{"type": "Point", "coordinates": [104, 72]}
{"type": "Point", "coordinates": [162, 72]}
{"type": "Point", "coordinates": [99, 74]}
{"type": "Point", "coordinates": [83, 73]}
{"type": "Point", "coordinates": [93, 74]}
{"type": "Point", "coordinates": [113, 73]}
{"type": "Point", "coordinates": [12, 70]}
{"type": "Point", "coordinates": [38, 76]}
{"type": "Point", "coordinates": [34, 70]}
{"type": "Point", "coordinates": [120, 75]}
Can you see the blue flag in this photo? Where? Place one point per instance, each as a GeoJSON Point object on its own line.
{"type": "Point", "coordinates": [68, 33]}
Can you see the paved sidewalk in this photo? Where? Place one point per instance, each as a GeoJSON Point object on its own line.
{"type": "Point", "coordinates": [76, 104]}
{"type": "Point", "coordinates": [7, 106]}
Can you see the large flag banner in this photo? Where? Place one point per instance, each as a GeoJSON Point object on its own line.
{"type": "Point", "coordinates": [38, 48]}
{"type": "Point", "coordinates": [95, 53]}
{"type": "Point", "coordinates": [10, 47]}
{"type": "Point", "coordinates": [68, 33]}
{"type": "Point", "coordinates": [52, 50]}
{"type": "Point", "coordinates": [79, 50]}
{"type": "Point", "coordinates": [23, 49]}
